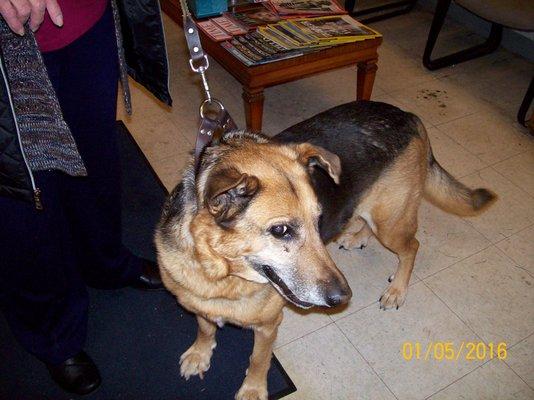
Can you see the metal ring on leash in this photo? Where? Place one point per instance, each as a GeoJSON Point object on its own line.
{"type": "Point", "coordinates": [204, 66]}
{"type": "Point", "coordinates": [210, 102]}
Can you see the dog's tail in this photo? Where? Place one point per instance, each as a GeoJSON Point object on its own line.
{"type": "Point", "coordinates": [444, 191]}
{"type": "Point", "coordinates": [447, 193]}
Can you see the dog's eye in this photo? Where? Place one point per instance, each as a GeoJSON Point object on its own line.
{"type": "Point", "coordinates": [281, 231]}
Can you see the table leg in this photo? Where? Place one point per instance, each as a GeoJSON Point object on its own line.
{"type": "Point", "coordinates": [366, 79]}
{"type": "Point", "coordinates": [253, 99]}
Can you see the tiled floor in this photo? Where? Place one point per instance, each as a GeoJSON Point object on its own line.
{"type": "Point", "coordinates": [474, 278]}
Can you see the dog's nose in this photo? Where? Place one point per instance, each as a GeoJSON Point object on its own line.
{"type": "Point", "coordinates": [338, 295]}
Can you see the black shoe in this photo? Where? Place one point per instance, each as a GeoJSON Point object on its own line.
{"type": "Point", "coordinates": [150, 279]}
{"type": "Point", "coordinates": [78, 374]}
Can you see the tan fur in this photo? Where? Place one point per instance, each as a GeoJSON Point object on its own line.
{"type": "Point", "coordinates": [205, 265]}
{"type": "Point", "coordinates": [390, 209]}
{"type": "Point", "coordinates": [208, 275]}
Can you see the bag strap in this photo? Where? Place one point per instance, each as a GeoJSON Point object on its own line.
{"type": "Point", "coordinates": [214, 118]}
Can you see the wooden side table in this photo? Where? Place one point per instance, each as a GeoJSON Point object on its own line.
{"type": "Point", "coordinates": [256, 78]}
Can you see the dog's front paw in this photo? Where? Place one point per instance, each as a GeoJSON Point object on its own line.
{"type": "Point", "coordinates": [195, 361]}
{"type": "Point", "coordinates": [248, 392]}
{"type": "Point", "coordinates": [393, 297]}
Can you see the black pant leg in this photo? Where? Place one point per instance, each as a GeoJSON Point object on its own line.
{"type": "Point", "coordinates": [42, 293]}
{"type": "Point", "coordinates": [88, 98]}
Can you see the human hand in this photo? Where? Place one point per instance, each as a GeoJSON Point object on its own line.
{"type": "Point", "coordinates": [17, 12]}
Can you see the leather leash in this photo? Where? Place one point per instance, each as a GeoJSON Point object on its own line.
{"type": "Point", "coordinates": [214, 118]}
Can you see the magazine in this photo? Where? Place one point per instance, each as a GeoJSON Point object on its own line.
{"type": "Point", "coordinates": [214, 31]}
{"type": "Point", "coordinates": [230, 25]}
{"type": "Point", "coordinates": [246, 51]}
{"type": "Point", "coordinates": [265, 42]}
{"type": "Point", "coordinates": [237, 54]}
{"type": "Point", "coordinates": [307, 37]}
{"type": "Point", "coordinates": [262, 45]}
{"type": "Point", "coordinates": [253, 49]}
{"type": "Point", "coordinates": [295, 37]}
{"type": "Point", "coordinates": [289, 34]}
{"type": "Point", "coordinates": [307, 7]}
{"type": "Point", "coordinates": [310, 33]}
{"type": "Point", "coordinates": [254, 15]}
{"type": "Point", "coordinates": [252, 46]}
{"type": "Point", "coordinates": [277, 37]}
{"type": "Point", "coordinates": [336, 28]}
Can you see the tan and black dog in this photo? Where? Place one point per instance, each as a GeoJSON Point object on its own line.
{"type": "Point", "coordinates": [245, 233]}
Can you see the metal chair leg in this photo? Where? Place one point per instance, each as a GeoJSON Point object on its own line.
{"type": "Point", "coordinates": [363, 15]}
{"type": "Point", "coordinates": [490, 45]}
{"type": "Point", "coordinates": [525, 104]}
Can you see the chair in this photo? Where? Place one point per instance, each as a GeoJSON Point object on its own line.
{"type": "Point", "coordinates": [369, 13]}
{"type": "Point", "coordinates": [514, 14]}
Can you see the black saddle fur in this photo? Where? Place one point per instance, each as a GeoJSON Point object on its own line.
{"type": "Point", "coordinates": [367, 136]}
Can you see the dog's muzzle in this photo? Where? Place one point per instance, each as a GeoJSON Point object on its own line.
{"type": "Point", "coordinates": [279, 284]}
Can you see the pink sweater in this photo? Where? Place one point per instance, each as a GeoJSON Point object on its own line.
{"type": "Point", "coordinates": [78, 17]}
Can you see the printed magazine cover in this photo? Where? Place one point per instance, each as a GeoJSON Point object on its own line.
{"type": "Point", "coordinates": [255, 15]}
{"type": "Point", "coordinates": [336, 28]}
{"type": "Point", "coordinates": [230, 25]}
{"type": "Point", "coordinates": [307, 7]}
{"type": "Point", "coordinates": [292, 37]}
{"type": "Point", "coordinates": [214, 31]}
{"type": "Point", "coordinates": [253, 49]}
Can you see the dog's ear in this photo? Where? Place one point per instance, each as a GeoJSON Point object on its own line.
{"type": "Point", "coordinates": [312, 156]}
{"type": "Point", "coordinates": [228, 192]}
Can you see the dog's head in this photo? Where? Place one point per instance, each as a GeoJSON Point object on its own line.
{"type": "Point", "coordinates": [258, 218]}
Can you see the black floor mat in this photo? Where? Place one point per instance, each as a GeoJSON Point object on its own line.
{"type": "Point", "coordinates": [136, 337]}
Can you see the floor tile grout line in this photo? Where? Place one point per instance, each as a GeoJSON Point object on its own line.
{"type": "Point", "coordinates": [452, 311]}
{"type": "Point", "coordinates": [491, 164]}
{"type": "Point", "coordinates": [511, 234]}
{"type": "Point", "coordinates": [490, 244]}
{"type": "Point", "coordinates": [466, 324]}
{"type": "Point", "coordinates": [517, 186]}
{"type": "Point", "coordinates": [463, 147]}
{"type": "Point", "coordinates": [515, 263]}
{"type": "Point", "coordinates": [508, 158]}
{"type": "Point", "coordinates": [519, 376]}
{"type": "Point", "coordinates": [486, 165]}
{"type": "Point", "coordinates": [458, 379]}
{"type": "Point", "coordinates": [303, 336]}
{"type": "Point", "coordinates": [370, 305]}
{"type": "Point", "coordinates": [366, 361]}
{"type": "Point", "coordinates": [522, 340]}
{"type": "Point", "coordinates": [509, 366]}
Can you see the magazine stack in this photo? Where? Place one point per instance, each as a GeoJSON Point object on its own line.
{"type": "Point", "coordinates": [262, 32]}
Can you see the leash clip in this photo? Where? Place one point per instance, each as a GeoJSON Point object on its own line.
{"type": "Point", "coordinates": [209, 102]}
{"type": "Point", "coordinates": [201, 69]}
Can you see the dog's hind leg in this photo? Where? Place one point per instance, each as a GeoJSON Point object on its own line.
{"type": "Point", "coordinates": [355, 235]}
{"type": "Point", "coordinates": [196, 360]}
{"type": "Point", "coordinates": [355, 240]}
{"type": "Point", "coordinates": [254, 386]}
{"type": "Point", "coordinates": [398, 235]}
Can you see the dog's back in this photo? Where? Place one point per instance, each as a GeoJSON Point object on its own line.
{"type": "Point", "coordinates": [369, 137]}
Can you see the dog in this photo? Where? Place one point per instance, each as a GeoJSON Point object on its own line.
{"type": "Point", "coordinates": [245, 234]}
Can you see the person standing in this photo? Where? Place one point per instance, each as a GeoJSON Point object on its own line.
{"type": "Point", "coordinates": [60, 225]}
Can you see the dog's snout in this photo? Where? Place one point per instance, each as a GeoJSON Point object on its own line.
{"type": "Point", "coordinates": [337, 295]}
